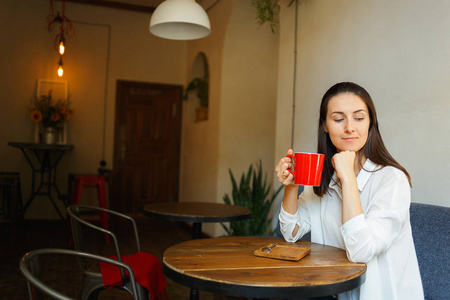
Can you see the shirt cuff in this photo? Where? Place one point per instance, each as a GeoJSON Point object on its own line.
{"type": "Point", "coordinates": [287, 225]}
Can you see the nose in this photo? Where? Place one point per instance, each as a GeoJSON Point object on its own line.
{"type": "Point", "coordinates": [349, 126]}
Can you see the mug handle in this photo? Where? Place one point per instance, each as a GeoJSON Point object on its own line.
{"type": "Point", "coordinates": [293, 158]}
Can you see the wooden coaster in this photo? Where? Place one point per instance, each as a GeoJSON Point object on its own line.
{"type": "Point", "coordinates": [284, 252]}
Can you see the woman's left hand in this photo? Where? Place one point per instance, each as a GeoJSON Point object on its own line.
{"type": "Point", "coordinates": [344, 164]}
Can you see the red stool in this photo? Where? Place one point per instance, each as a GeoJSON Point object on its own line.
{"type": "Point", "coordinates": [99, 182]}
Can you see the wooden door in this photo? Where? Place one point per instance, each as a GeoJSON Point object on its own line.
{"type": "Point", "coordinates": [146, 145]}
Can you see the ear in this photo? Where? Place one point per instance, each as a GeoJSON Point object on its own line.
{"type": "Point", "coordinates": [325, 128]}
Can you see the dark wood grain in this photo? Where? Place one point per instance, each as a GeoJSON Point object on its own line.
{"type": "Point", "coordinates": [117, 4]}
{"type": "Point", "coordinates": [146, 145]}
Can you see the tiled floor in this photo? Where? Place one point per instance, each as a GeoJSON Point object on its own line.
{"type": "Point", "coordinates": [155, 237]}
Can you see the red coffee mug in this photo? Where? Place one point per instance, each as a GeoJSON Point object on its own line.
{"type": "Point", "coordinates": [307, 168]}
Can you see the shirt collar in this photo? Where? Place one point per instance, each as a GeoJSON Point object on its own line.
{"type": "Point", "coordinates": [362, 178]}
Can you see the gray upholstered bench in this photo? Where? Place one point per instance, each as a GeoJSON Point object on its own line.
{"type": "Point", "coordinates": [431, 233]}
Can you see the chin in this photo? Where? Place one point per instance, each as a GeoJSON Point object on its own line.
{"type": "Point", "coordinates": [350, 149]}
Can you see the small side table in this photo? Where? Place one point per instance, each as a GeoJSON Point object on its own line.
{"type": "Point", "coordinates": [47, 156]}
{"type": "Point", "coordinates": [197, 213]}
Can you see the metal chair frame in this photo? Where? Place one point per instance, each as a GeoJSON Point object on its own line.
{"type": "Point", "coordinates": [29, 266]}
{"type": "Point", "coordinates": [93, 280]}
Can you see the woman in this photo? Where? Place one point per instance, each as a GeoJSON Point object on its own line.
{"type": "Point", "coordinates": [362, 203]}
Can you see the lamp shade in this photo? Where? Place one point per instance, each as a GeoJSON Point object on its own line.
{"type": "Point", "coordinates": [180, 20]}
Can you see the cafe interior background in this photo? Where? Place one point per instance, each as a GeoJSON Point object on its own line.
{"type": "Point", "coordinates": [265, 87]}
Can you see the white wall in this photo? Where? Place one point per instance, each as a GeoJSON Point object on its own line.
{"type": "Point", "coordinates": [240, 131]}
{"type": "Point", "coordinates": [200, 141]}
{"type": "Point", "coordinates": [247, 124]}
{"type": "Point", "coordinates": [399, 51]}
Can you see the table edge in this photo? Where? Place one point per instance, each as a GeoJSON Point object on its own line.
{"type": "Point", "coordinates": [40, 146]}
{"type": "Point", "coordinates": [198, 219]}
{"type": "Point", "coordinates": [263, 291]}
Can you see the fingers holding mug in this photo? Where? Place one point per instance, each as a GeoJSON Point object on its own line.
{"type": "Point", "coordinates": [284, 164]}
{"type": "Point", "coordinates": [283, 171]}
{"type": "Point", "coordinates": [285, 177]}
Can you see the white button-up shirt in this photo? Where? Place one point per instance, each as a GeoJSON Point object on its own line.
{"type": "Point", "coordinates": [380, 237]}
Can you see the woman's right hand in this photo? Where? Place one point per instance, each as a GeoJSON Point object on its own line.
{"type": "Point", "coordinates": [284, 176]}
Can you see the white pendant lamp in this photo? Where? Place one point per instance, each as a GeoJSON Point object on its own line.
{"type": "Point", "coordinates": [180, 20]}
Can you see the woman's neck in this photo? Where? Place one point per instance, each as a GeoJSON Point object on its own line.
{"type": "Point", "coordinates": [360, 160]}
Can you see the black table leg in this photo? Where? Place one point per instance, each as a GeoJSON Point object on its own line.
{"type": "Point", "coordinates": [196, 234]}
{"type": "Point", "coordinates": [46, 168]}
{"type": "Point", "coordinates": [194, 294]}
{"type": "Point", "coordinates": [196, 231]}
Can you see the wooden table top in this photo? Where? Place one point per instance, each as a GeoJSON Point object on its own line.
{"type": "Point", "coordinates": [196, 212]}
{"type": "Point", "coordinates": [228, 266]}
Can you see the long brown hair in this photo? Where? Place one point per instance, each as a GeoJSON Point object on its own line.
{"type": "Point", "coordinates": [374, 148]}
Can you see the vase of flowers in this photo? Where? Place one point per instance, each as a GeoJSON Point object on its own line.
{"type": "Point", "coordinates": [51, 116]}
{"type": "Point", "coordinates": [49, 135]}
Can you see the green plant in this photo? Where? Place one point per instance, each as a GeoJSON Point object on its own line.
{"type": "Point", "coordinates": [267, 11]}
{"type": "Point", "coordinates": [252, 193]}
{"type": "Point", "coordinates": [201, 85]}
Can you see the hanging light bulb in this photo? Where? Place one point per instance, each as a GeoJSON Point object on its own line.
{"type": "Point", "coordinates": [62, 47]}
{"type": "Point", "coordinates": [60, 69]}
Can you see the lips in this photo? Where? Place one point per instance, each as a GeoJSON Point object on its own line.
{"type": "Point", "coordinates": [349, 139]}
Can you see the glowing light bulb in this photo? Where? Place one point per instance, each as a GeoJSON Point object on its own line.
{"type": "Point", "coordinates": [60, 71]}
{"type": "Point", "coordinates": [62, 48]}
{"type": "Point", "coordinates": [62, 45]}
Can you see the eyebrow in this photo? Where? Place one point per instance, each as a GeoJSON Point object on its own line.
{"type": "Point", "coordinates": [342, 113]}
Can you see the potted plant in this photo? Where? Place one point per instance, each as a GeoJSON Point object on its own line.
{"type": "Point", "coordinates": [267, 11]}
{"type": "Point", "coordinates": [201, 86]}
{"type": "Point", "coordinates": [253, 193]}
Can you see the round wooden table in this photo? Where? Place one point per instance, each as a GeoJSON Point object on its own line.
{"type": "Point", "coordinates": [228, 266]}
{"type": "Point", "coordinates": [197, 213]}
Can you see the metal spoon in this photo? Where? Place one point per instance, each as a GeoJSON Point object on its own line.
{"type": "Point", "coordinates": [268, 249]}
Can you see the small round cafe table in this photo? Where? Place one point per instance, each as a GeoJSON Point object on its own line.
{"type": "Point", "coordinates": [229, 266]}
{"type": "Point", "coordinates": [197, 213]}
